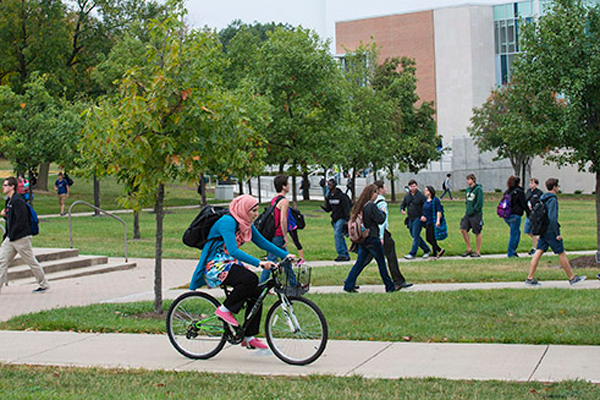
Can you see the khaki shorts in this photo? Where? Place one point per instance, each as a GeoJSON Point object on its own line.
{"type": "Point", "coordinates": [61, 199]}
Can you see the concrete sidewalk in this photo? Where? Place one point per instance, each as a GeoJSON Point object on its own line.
{"type": "Point", "coordinates": [341, 358]}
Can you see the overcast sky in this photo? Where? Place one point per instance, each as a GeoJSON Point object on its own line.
{"type": "Point", "coordinates": [320, 15]}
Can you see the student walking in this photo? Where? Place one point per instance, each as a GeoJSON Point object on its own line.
{"type": "Point", "coordinates": [17, 239]}
{"type": "Point", "coordinates": [412, 204]}
{"type": "Point", "coordinates": [533, 194]}
{"type": "Point", "coordinates": [551, 237]}
{"type": "Point", "coordinates": [473, 218]}
{"type": "Point", "coordinates": [514, 200]}
{"type": "Point", "coordinates": [62, 189]}
{"type": "Point", "coordinates": [389, 245]}
{"type": "Point", "coordinates": [372, 217]}
{"type": "Point", "coordinates": [447, 187]}
{"type": "Point", "coordinates": [432, 217]}
{"type": "Point", "coordinates": [339, 205]}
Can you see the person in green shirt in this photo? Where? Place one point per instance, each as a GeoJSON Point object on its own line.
{"type": "Point", "coordinates": [473, 219]}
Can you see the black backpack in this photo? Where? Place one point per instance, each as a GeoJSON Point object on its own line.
{"type": "Point", "coordinates": [538, 216]}
{"type": "Point", "coordinates": [265, 222]}
{"type": "Point", "coordinates": [196, 235]}
{"type": "Point", "coordinates": [68, 179]}
{"type": "Point", "coordinates": [300, 222]}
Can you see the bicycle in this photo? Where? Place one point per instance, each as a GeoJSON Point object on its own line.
{"type": "Point", "coordinates": [295, 327]}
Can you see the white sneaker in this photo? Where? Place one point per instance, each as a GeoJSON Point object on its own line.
{"type": "Point", "coordinates": [409, 257]}
{"type": "Point", "coordinates": [426, 255]}
{"type": "Point", "coordinates": [577, 279]}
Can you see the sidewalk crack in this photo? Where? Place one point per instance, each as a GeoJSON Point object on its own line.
{"type": "Point", "coordinates": [538, 363]}
{"type": "Point", "coordinates": [369, 359]}
{"type": "Point", "coordinates": [79, 340]}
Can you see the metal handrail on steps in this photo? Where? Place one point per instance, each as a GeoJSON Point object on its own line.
{"type": "Point", "coordinates": [102, 211]}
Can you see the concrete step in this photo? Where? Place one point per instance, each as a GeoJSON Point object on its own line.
{"type": "Point", "coordinates": [47, 254]}
{"type": "Point", "coordinates": [91, 270]}
{"type": "Point", "coordinates": [23, 271]}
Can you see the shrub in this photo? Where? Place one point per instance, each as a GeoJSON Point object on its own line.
{"type": "Point", "coordinates": [498, 190]}
{"type": "Point", "coordinates": [578, 191]}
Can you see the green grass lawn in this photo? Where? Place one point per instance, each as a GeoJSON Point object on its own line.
{"type": "Point", "coordinates": [445, 271]}
{"type": "Point", "coordinates": [547, 316]}
{"type": "Point", "coordinates": [102, 235]}
{"type": "Point", "coordinates": [25, 382]}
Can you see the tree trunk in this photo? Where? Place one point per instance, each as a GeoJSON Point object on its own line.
{"type": "Point", "coordinates": [96, 195]}
{"type": "Point", "coordinates": [598, 217]}
{"type": "Point", "coordinates": [374, 172]}
{"type": "Point", "coordinates": [250, 186]}
{"type": "Point", "coordinates": [353, 186]}
{"type": "Point", "coordinates": [202, 187]}
{"type": "Point", "coordinates": [259, 191]}
{"type": "Point", "coordinates": [294, 190]}
{"type": "Point", "coordinates": [136, 225]}
{"type": "Point", "coordinates": [42, 182]}
{"type": "Point", "coordinates": [158, 211]}
{"type": "Point", "coordinates": [392, 184]}
{"type": "Point", "coordinates": [305, 186]}
{"type": "Point", "coordinates": [241, 185]}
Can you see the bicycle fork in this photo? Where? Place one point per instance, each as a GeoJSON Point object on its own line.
{"type": "Point", "coordinates": [290, 317]}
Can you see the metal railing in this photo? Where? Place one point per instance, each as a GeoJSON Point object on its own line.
{"type": "Point", "coordinates": [102, 211]}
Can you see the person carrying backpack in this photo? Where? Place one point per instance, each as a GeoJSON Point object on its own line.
{"type": "Point", "coordinates": [371, 247]}
{"type": "Point", "coordinates": [17, 239]}
{"type": "Point", "coordinates": [516, 207]}
{"type": "Point", "coordinates": [551, 237]}
{"type": "Point", "coordinates": [339, 205]}
{"type": "Point", "coordinates": [222, 263]}
{"type": "Point", "coordinates": [447, 187]}
{"type": "Point", "coordinates": [533, 194]}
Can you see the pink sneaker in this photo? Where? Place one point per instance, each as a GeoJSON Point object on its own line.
{"type": "Point", "coordinates": [227, 317]}
{"type": "Point", "coordinates": [254, 344]}
{"type": "Point", "coordinates": [301, 261]}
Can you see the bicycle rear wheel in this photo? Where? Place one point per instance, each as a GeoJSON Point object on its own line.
{"type": "Point", "coordinates": [296, 331]}
{"type": "Point", "coordinates": [192, 326]}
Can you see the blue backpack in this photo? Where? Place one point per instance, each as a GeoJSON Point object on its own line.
{"type": "Point", "coordinates": [34, 222]}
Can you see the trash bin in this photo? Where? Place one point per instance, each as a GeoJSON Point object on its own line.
{"type": "Point", "coordinates": [224, 192]}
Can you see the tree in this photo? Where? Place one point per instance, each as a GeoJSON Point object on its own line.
{"type": "Point", "coordinates": [512, 123]}
{"type": "Point", "coordinates": [303, 84]}
{"type": "Point", "coordinates": [171, 120]}
{"type": "Point", "coordinates": [561, 55]}
{"type": "Point", "coordinates": [37, 128]}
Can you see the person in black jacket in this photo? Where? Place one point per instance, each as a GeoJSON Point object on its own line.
{"type": "Point", "coordinates": [517, 207]}
{"type": "Point", "coordinates": [17, 239]}
{"type": "Point", "coordinates": [339, 205]}
{"type": "Point", "coordinates": [532, 193]}
{"type": "Point", "coordinates": [372, 246]}
{"type": "Point", "coordinates": [413, 206]}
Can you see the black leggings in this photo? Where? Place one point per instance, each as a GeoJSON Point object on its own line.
{"type": "Point", "coordinates": [295, 239]}
{"type": "Point", "coordinates": [430, 236]}
{"type": "Point", "coordinates": [245, 289]}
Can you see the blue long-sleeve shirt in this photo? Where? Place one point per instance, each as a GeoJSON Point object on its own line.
{"type": "Point", "coordinates": [225, 228]}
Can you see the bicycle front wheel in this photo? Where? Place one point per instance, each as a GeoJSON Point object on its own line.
{"type": "Point", "coordinates": [192, 326]}
{"type": "Point", "coordinates": [296, 330]}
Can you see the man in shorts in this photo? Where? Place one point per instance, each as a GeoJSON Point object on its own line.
{"type": "Point", "coordinates": [531, 194]}
{"type": "Point", "coordinates": [62, 189]}
{"type": "Point", "coordinates": [473, 219]}
{"type": "Point", "coordinates": [551, 238]}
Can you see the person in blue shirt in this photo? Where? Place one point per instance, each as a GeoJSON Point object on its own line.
{"type": "Point", "coordinates": [62, 188]}
{"type": "Point", "coordinates": [432, 217]}
{"type": "Point", "coordinates": [222, 263]}
{"type": "Point", "coordinates": [552, 238]}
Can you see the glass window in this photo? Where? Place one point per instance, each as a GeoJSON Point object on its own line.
{"type": "Point", "coordinates": [510, 31]}
{"type": "Point", "coordinates": [497, 36]}
{"type": "Point", "coordinates": [504, 69]}
{"type": "Point", "coordinates": [525, 9]}
{"type": "Point", "coordinates": [510, 11]}
{"type": "Point", "coordinates": [503, 48]}
{"type": "Point", "coordinates": [499, 12]}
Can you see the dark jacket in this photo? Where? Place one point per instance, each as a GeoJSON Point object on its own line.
{"type": "Point", "coordinates": [17, 218]}
{"type": "Point", "coordinates": [551, 203]}
{"type": "Point", "coordinates": [474, 200]}
{"type": "Point", "coordinates": [414, 204]}
{"type": "Point", "coordinates": [530, 195]}
{"type": "Point", "coordinates": [338, 204]}
{"type": "Point", "coordinates": [372, 218]}
{"type": "Point", "coordinates": [518, 205]}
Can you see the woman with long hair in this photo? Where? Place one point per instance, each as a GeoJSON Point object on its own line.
{"type": "Point", "coordinates": [432, 217]}
{"type": "Point", "coordinates": [221, 263]}
{"type": "Point", "coordinates": [517, 208]}
{"type": "Point", "coordinates": [372, 217]}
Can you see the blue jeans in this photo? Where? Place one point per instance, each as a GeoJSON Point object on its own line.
{"type": "Point", "coordinates": [446, 192]}
{"type": "Point", "coordinates": [370, 247]}
{"type": "Point", "coordinates": [514, 222]}
{"type": "Point", "coordinates": [415, 225]}
{"type": "Point", "coordinates": [340, 243]}
{"type": "Point", "coordinates": [266, 274]}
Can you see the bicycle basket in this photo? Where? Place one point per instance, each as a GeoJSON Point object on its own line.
{"type": "Point", "coordinates": [294, 279]}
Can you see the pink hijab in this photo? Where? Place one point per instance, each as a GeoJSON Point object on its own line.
{"type": "Point", "coordinates": [239, 208]}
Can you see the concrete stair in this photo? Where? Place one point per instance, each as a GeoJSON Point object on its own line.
{"type": "Point", "coordinates": [64, 264]}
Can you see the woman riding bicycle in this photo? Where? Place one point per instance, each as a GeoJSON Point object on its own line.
{"type": "Point", "coordinates": [221, 263]}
